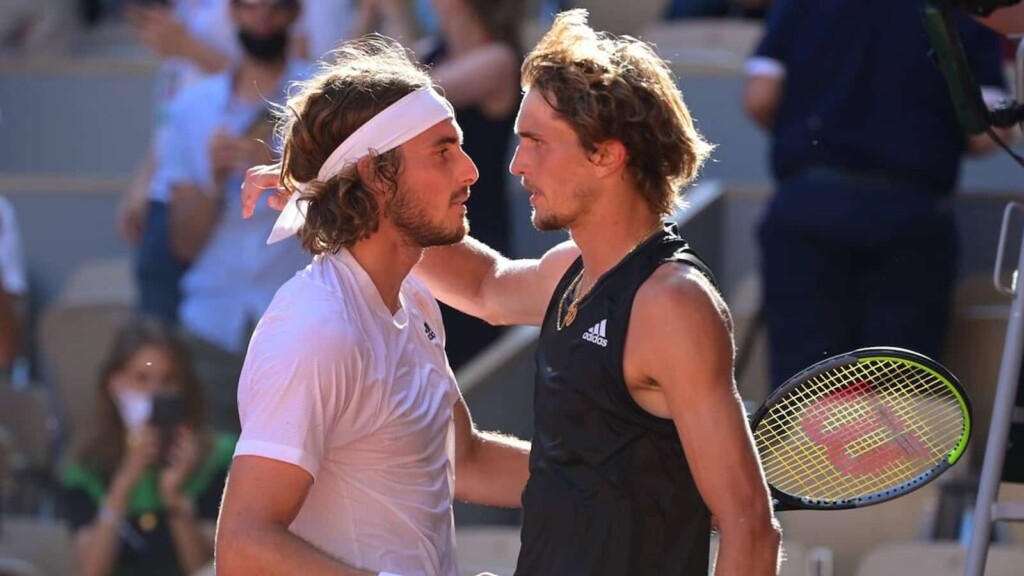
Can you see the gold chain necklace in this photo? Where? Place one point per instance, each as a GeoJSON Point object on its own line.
{"type": "Point", "coordinates": [570, 313]}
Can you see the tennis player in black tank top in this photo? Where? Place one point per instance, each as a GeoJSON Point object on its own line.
{"type": "Point", "coordinates": [610, 491]}
{"type": "Point", "coordinates": [640, 440]}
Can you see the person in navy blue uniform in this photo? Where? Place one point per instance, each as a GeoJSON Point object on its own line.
{"type": "Point", "coordinates": [858, 244]}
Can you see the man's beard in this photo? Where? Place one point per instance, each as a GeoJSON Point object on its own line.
{"type": "Point", "coordinates": [552, 222]}
{"type": "Point", "coordinates": [417, 227]}
{"type": "Point", "coordinates": [266, 49]}
{"type": "Point", "coordinates": [547, 222]}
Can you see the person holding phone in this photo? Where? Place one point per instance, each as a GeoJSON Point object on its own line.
{"type": "Point", "coordinates": [143, 487]}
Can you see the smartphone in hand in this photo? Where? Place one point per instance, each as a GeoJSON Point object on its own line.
{"type": "Point", "coordinates": [168, 414]}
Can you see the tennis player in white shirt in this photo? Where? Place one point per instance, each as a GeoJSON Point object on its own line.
{"type": "Point", "coordinates": [355, 439]}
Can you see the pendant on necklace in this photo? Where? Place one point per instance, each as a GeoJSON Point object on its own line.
{"type": "Point", "coordinates": [147, 522]}
{"type": "Point", "coordinates": [570, 315]}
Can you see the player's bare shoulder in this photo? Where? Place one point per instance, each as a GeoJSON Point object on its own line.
{"type": "Point", "coordinates": [679, 289]}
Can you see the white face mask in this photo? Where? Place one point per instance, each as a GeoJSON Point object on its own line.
{"type": "Point", "coordinates": [135, 408]}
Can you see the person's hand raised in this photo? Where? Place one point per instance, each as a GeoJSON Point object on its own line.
{"type": "Point", "coordinates": [182, 460]}
{"type": "Point", "coordinates": [159, 29]}
{"type": "Point", "coordinates": [258, 180]}
{"type": "Point", "coordinates": [141, 450]}
{"type": "Point", "coordinates": [223, 150]}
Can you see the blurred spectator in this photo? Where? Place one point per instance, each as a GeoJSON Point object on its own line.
{"type": "Point", "coordinates": [33, 27]}
{"type": "Point", "coordinates": [12, 287]}
{"type": "Point", "coordinates": [142, 490]}
{"type": "Point", "coordinates": [476, 61]}
{"type": "Point", "coordinates": [395, 19]}
{"type": "Point", "coordinates": [680, 9]}
{"type": "Point", "coordinates": [324, 24]}
{"type": "Point", "coordinates": [194, 38]}
{"type": "Point", "coordinates": [858, 243]}
{"type": "Point", "coordinates": [213, 136]}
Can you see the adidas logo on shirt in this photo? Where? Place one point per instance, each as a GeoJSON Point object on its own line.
{"type": "Point", "coordinates": [595, 334]}
{"type": "Point", "coordinates": [430, 333]}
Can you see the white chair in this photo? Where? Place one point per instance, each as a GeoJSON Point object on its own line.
{"type": "Point", "coordinates": [100, 281]}
{"type": "Point", "coordinates": [45, 544]}
{"type": "Point", "coordinates": [937, 559]}
{"type": "Point", "coordinates": [851, 534]}
{"type": "Point", "coordinates": [73, 342]}
{"type": "Point", "coordinates": [18, 567]}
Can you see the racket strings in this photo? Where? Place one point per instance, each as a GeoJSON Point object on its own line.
{"type": "Point", "coordinates": [859, 429]}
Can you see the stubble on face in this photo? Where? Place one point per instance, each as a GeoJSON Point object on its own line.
{"type": "Point", "coordinates": [415, 224]}
{"type": "Point", "coordinates": [551, 221]}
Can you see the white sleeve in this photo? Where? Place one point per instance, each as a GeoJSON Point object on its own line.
{"type": "Point", "coordinates": [12, 262]}
{"type": "Point", "coordinates": [297, 384]}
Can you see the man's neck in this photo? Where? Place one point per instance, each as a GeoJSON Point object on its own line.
{"type": "Point", "coordinates": [607, 234]}
{"type": "Point", "coordinates": [387, 260]}
{"type": "Point", "coordinates": [256, 80]}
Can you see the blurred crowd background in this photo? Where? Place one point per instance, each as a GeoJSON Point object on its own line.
{"type": "Point", "coordinates": [129, 284]}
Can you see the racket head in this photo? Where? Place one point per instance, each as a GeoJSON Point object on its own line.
{"type": "Point", "coordinates": [861, 428]}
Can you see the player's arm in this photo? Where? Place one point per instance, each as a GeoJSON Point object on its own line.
{"type": "Point", "coordinates": [194, 208]}
{"type": "Point", "coordinates": [193, 215]}
{"type": "Point", "coordinates": [477, 280]}
{"type": "Point", "coordinates": [261, 499]}
{"type": "Point", "coordinates": [490, 468]}
{"type": "Point", "coordinates": [685, 347]}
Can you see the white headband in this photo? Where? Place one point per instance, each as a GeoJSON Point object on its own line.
{"type": "Point", "coordinates": [407, 118]}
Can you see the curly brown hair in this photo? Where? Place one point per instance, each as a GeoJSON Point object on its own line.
{"type": "Point", "coordinates": [364, 77]}
{"type": "Point", "coordinates": [617, 88]}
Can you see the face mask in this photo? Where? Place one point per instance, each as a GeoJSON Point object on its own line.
{"type": "Point", "coordinates": [135, 408]}
{"type": "Point", "coordinates": [264, 48]}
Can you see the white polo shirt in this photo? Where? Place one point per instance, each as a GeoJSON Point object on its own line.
{"type": "Point", "coordinates": [362, 400]}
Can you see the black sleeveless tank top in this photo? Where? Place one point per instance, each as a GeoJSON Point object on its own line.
{"type": "Point", "coordinates": [610, 490]}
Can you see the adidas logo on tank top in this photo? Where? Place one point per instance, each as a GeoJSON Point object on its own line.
{"type": "Point", "coordinates": [595, 334]}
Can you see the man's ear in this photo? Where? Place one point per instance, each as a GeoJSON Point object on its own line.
{"type": "Point", "coordinates": [368, 175]}
{"type": "Point", "coordinates": [609, 157]}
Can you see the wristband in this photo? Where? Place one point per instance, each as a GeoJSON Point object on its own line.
{"type": "Point", "coordinates": [107, 516]}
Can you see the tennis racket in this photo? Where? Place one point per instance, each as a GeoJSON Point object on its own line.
{"type": "Point", "coordinates": [861, 428]}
